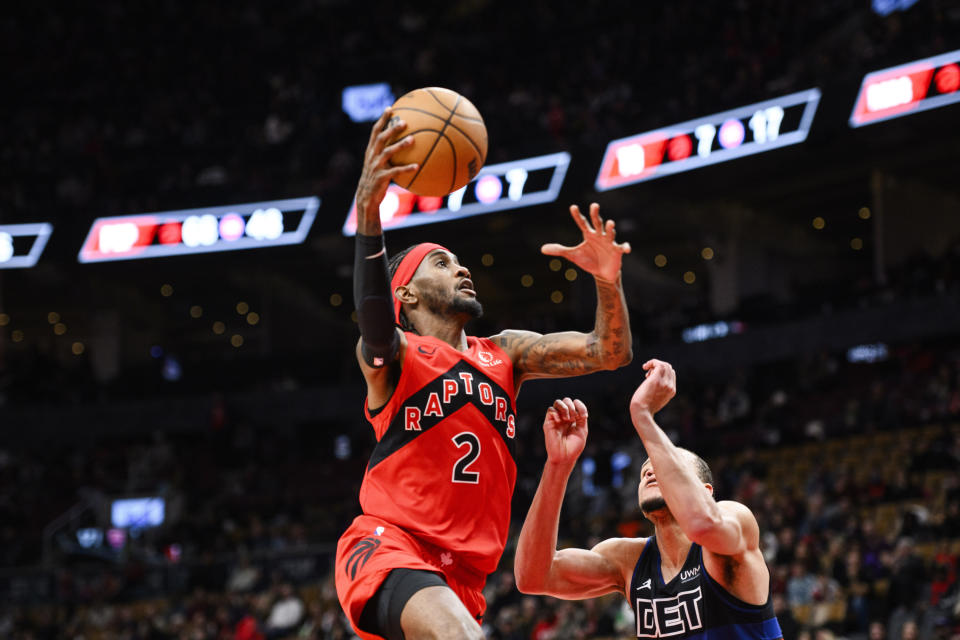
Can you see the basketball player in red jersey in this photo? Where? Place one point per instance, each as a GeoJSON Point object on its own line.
{"type": "Point", "coordinates": [436, 493]}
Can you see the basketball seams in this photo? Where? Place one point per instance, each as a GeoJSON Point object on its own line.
{"type": "Point", "coordinates": [470, 140]}
{"type": "Point", "coordinates": [440, 134]}
{"type": "Point", "coordinates": [432, 114]}
{"type": "Point", "coordinates": [470, 118]}
{"type": "Point", "coordinates": [453, 156]}
{"type": "Point", "coordinates": [419, 110]}
{"type": "Point", "coordinates": [462, 132]}
{"type": "Point", "coordinates": [441, 103]}
{"type": "Point", "coordinates": [470, 128]}
{"type": "Point", "coordinates": [453, 111]}
{"type": "Point", "coordinates": [424, 130]}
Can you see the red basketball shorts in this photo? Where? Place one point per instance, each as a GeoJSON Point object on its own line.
{"type": "Point", "coordinates": [371, 548]}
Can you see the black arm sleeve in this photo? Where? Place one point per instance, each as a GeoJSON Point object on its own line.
{"type": "Point", "coordinates": [373, 299]}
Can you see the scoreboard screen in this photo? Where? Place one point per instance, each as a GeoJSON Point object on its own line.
{"type": "Point", "coordinates": [22, 244]}
{"type": "Point", "coordinates": [755, 128]}
{"type": "Point", "coordinates": [175, 233]}
{"type": "Point", "coordinates": [909, 88]}
{"type": "Point", "coordinates": [497, 187]}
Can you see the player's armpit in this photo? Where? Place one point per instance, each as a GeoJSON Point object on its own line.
{"type": "Point", "coordinates": [555, 355]}
{"type": "Point", "coordinates": [578, 574]}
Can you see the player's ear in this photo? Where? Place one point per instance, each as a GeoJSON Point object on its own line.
{"type": "Point", "coordinates": [708, 487]}
{"type": "Point", "coordinates": [404, 294]}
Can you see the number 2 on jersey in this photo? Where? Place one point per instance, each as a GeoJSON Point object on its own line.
{"type": "Point", "coordinates": [461, 471]}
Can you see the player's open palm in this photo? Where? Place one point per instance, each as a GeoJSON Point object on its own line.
{"type": "Point", "coordinates": [599, 254]}
{"type": "Point", "coordinates": [658, 387]}
{"type": "Point", "coordinates": [565, 430]}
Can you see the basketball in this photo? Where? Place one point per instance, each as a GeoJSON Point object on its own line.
{"type": "Point", "coordinates": [450, 140]}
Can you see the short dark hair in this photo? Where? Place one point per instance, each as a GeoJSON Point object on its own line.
{"type": "Point", "coordinates": [393, 265]}
{"type": "Point", "coordinates": [703, 469]}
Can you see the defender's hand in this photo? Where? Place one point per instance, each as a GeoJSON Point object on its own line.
{"type": "Point", "coordinates": [565, 430]}
{"type": "Point", "coordinates": [599, 254]}
{"type": "Point", "coordinates": [377, 170]}
{"type": "Point", "coordinates": [656, 390]}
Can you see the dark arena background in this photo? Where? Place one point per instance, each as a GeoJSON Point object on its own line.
{"type": "Point", "coordinates": [181, 427]}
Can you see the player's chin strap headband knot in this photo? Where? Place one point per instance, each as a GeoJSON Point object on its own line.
{"type": "Point", "coordinates": [406, 269]}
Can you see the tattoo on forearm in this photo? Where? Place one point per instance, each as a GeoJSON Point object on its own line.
{"type": "Point", "coordinates": [612, 325]}
{"type": "Point", "coordinates": [570, 354]}
{"type": "Point", "coordinates": [550, 355]}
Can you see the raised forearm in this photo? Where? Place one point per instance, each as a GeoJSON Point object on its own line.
{"type": "Point", "coordinates": [692, 506]}
{"type": "Point", "coordinates": [613, 340]}
{"type": "Point", "coordinates": [537, 544]}
{"type": "Point", "coordinates": [374, 302]}
{"type": "Point", "coordinates": [368, 211]}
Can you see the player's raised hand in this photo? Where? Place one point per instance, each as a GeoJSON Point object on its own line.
{"type": "Point", "coordinates": [599, 254]}
{"type": "Point", "coordinates": [565, 430]}
{"type": "Point", "coordinates": [658, 387]}
{"type": "Point", "coordinates": [377, 170]}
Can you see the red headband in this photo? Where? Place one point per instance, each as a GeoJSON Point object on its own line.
{"type": "Point", "coordinates": [407, 267]}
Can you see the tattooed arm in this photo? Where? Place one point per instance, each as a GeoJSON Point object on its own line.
{"type": "Point", "coordinates": [572, 353]}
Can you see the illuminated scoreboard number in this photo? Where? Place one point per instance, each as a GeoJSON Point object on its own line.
{"type": "Point", "coordinates": [697, 143]}
{"type": "Point", "coordinates": [210, 229]}
{"type": "Point", "coordinates": [509, 185]}
{"type": "Point", "coordinates": [22, 244]}
{"type": "Point", "coordinates": [909, 88]}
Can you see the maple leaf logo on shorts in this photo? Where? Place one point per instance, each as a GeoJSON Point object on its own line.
{"type": "Point", "coordinates": [446, 559]}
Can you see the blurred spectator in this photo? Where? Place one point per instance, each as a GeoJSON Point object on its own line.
{"type": "Point", "coordinates": [285, 613]}
{"type": "Point", "coordinates": [800, 585]}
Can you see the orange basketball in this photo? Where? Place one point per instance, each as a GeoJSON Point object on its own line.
{"type": "Point", "coordinates": [449, 141]}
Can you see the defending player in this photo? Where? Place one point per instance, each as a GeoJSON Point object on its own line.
{"type": "Point", "coordinates": [437, 490]}
{"type": "Point", "coordinates": [701, 575]}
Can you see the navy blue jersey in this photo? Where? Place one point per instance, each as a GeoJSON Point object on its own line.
{"type": "Point", "coordinates": [693, 605]}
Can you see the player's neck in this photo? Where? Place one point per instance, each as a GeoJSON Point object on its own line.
{"type": "Point", "coordinates": [450, 332]}
{"type": "Point", "coordinates": [673, 543]}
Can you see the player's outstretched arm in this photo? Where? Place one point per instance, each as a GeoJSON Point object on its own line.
{"type": "Point", "coordinates": [538, 567]}
{"type": "Point", "coordinates": [381, 342]}
{"type": "Point", "coordinates": [725, 528]}
{"type": "Point", "coordinates": [572, 353]}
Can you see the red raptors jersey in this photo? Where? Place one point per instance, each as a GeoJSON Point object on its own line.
{"type": "Point", "coordinates": [444, 467]}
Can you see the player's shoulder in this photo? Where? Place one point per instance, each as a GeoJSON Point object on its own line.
{"type": "Point", "coordinates": [512, 339]}
{"type": "Point", "coordinates": [735, 509]}
{"type": "Point", "coordinates": [740, 512]}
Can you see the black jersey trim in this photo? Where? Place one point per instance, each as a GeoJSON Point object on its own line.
{"type": "Point", "coordinates": [731, 600]}
{"type": "Point", "coordinates": [686, 559]}
{"type": "Point", "coordinates": [397, 436]}
{"type": "Point", "coordinates": [636, 567]}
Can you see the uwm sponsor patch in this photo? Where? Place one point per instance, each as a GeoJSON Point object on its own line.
{"type": "Point", "coordinates": [689, 574]}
